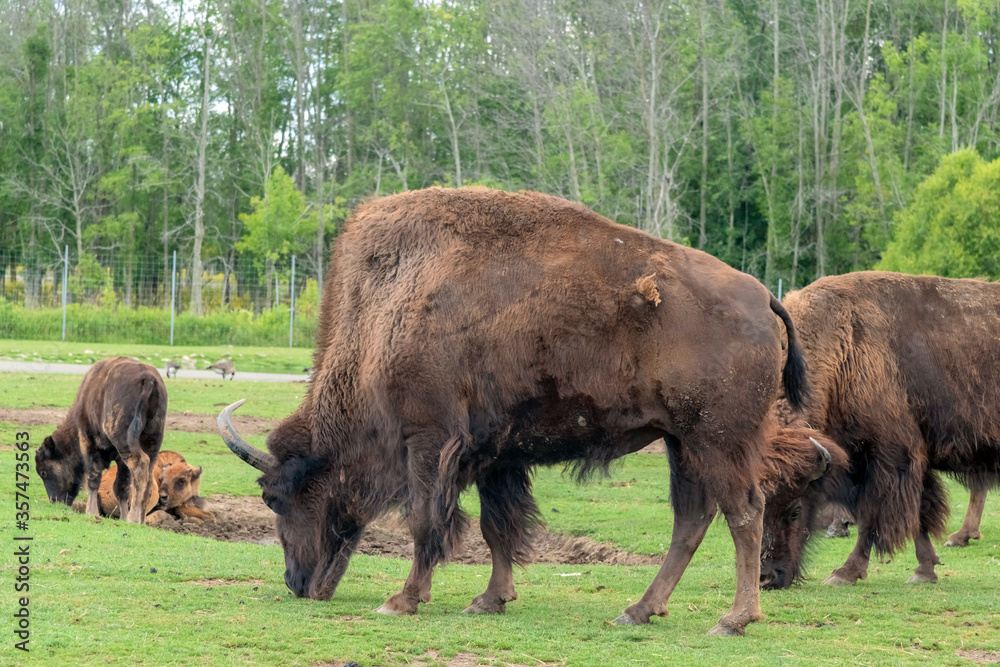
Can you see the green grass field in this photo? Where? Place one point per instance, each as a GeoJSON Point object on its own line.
{"type": "Point", "coordinates": [247, 359]}
{"type": "Point", "coordinates": [95, 599]}
{"type": "Point", "coordinates": [269, 400]}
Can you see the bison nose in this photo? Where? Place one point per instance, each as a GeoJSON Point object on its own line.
{"type": "Point", "coordinates": [297, 581]}
{"type": "Point", "coordinates": [773, 580]}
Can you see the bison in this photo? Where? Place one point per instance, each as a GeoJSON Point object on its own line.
{"type": "Point", "coordinates": [179, 484]}
{"type": "Point", "coordinates": [119, 414]}
{"type": "Point", "coordinates": [468, 335]}
{"type": "Point", "coordinates": [905, 377]}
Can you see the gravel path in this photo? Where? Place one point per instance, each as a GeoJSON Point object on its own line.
{"type": "Point", "coordinates": [80, 369]}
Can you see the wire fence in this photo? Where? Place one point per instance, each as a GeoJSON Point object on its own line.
{"type": "Point", "coordinates": [134, 301]}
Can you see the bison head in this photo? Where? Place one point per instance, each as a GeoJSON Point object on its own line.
{"type": "Point", "coordinates": [60, 465]}
{"type": "Point", "coordinates": [178, 483]}
{"type": "Point", "coordinates": [318, 529]}
{"type": "Point", "coordinates": [806, 471]}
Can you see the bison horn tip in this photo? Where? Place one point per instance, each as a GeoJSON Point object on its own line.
{"type": "Point", "coordinates": [824, 455]}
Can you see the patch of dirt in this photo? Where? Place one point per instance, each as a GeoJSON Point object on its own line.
{"type": "Point", "coordinates": [176, 421]}
{"type": "Point", "coordinates": [466, 660]}
{"type": "Point", "coordinates": [979, 657]}
{"type": "Point", "coordinates": [248, 519]}
{"type": "Point", "coordinates": [656, 447]}
{"type": "Point", "coordinates": [212, 583]}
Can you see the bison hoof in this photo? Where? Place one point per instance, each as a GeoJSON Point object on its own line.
{"type": "Point", "coordinates": [392, 611]}
{"type": "Point", "coordinates": [918, 578]}
{"type": "Point", "coordinates": [837, 580]}
{"type": "Point", "coordinates": [726, 631]}
{"type": "Point", "coordinates": [625, 619]}
{"type": "Point", "coordinates": [480, 607]}
{"type": "Point", "coordinates": [961, 539]}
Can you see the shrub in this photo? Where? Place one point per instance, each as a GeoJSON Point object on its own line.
{"type": "Point", "coordinates": [94, 324]}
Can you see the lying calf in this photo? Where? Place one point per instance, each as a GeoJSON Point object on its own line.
{"type": "Point", "coordinates": [174, 491]}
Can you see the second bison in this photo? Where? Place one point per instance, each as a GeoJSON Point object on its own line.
{"type": "Point", "coordinates": [905, 377]}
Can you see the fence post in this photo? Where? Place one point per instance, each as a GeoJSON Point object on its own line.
{"type": "Point", "coordinates": [291, 304]}
{"type": "Point", "coordinates": [275, 289]}
{"type": "Point", "coordinates": [65, 278]}
{"type": "Point", "coordinates": [779, 289]}
{"type": "Point", "coordinates": [173, 293]}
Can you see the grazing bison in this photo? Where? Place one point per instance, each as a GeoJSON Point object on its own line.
{"type": "Point", "coordinates": [468, 335]}
{"type": "Point", "coordinates": [905, 377]}
{"type": "Point", "coordinates": [118, 414]}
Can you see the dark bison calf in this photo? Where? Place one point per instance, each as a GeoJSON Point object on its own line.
{"type": "Point", "coordinates": [118, 414]}
{"type": "Point", "coordinates": [905, 377]}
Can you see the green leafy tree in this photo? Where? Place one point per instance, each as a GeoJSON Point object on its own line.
{"type": "Point", "coordinates": [279, 226]}
{"type": "Point", "coordinates": [952, 227]}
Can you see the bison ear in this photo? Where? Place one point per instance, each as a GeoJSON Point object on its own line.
{"type": "Point", "coordinates": [47, 450]}
{"type": "Point", "coordinates": [195, 473]}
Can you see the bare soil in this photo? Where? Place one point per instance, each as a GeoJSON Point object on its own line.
{"type": "Point", "coordinates": [248, 519]}
{"type": "Point", "coordinates": [176, 421]}
{"type": "Point", "coordinates": [979, 657]}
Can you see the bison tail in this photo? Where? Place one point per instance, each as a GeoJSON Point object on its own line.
{"type": "Point", "coordinates": [448, 521]}
{"type": "Point", "coordinates": [138, 421]}
{"type": "Point", "coordinates": [794, 375]}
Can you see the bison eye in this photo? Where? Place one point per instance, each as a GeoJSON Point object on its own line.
{"type": "Point", "coordinates": [795, 514]}
{"type": "Point", "coordinates": [42, 474]}
{"type": "Point", "coordinates": [179, 484]}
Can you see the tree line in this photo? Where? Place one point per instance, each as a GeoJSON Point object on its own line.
{"type": "Point", "coordinates": [781, 136]}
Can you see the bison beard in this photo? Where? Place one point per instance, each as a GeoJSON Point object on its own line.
{"type": "Point", "coordinates": [468, 335]}
{"type": "Point", "coordinates": [903, 371]}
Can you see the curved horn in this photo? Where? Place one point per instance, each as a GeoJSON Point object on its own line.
{"type": "Point", "coordinates": [824, 456]}
{"type": "Point", "coordinates": [260, 460]}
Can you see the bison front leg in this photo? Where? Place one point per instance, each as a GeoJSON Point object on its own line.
{"type": "Point", "coordinates": [973, 516]}
{"type": "Point", "coordinates": [693, 513]}
{"type": "Point", "coordinates": [856, 565]}
{"type": "Point", "coordinates": [436, 521]}
{"type": "Point", "coordinates": [507, 516]}
{"type": "Point", "coordinates": [926, 560]}
{"type": "Point", "coordinates": [746, 525]}
{"type": "Point", "coordinates": [933, 518]}
{"type": "Point", "coordinates": [94, 464]}
{"type": "Point", "coordinates": [417, 587]}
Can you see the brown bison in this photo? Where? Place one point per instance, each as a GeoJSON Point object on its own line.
{"type": "Point", "coordinates": [118, 414]}
{"type": "Point", "coordinates": [905, 376]}
{"type": "Point", "coordinates": [179, 483]}
{"type": "Point", "coordinates": [468, 335]}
